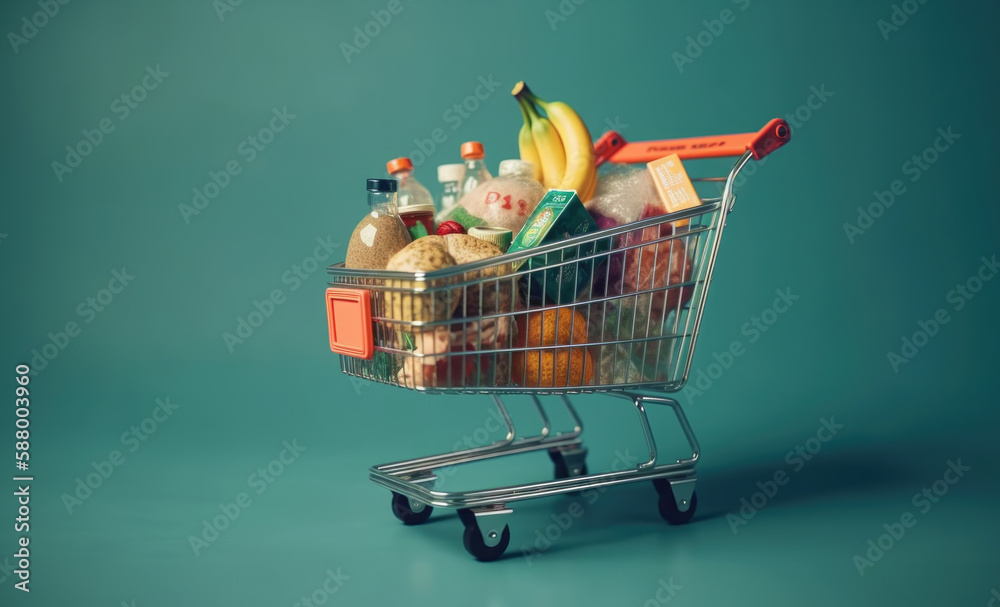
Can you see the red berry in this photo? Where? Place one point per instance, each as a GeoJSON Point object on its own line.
{"type": "Point", "coordinates": [450, 227]}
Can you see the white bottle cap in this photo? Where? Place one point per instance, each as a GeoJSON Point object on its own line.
{"type": "Point", "coordinates": [451, 172]}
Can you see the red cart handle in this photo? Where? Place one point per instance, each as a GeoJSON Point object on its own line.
{"type": "Point", "coordinates": [613, 147]}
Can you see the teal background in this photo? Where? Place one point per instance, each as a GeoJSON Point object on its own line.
{"type": "Point", "coordinates": [162, 336]}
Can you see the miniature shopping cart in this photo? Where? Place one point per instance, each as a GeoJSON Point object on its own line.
{"type": "Point", "coordinates": [491, 327]}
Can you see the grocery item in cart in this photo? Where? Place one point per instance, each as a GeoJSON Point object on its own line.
{"type": "Point", "coordinates": [381, 234]}
{"type": "Point", "coordinates": [624, 194]}
{"type": "Point", "coordinates": [637, 299]}
{"type": "Point", "coordinates": [424, 301]}
{"type": "Point", "coordinates": [475, 166]}
{"type": "Point", "coordinates": [501, 237]}
{"type": "Point", "coordinates": [451, 177]}
{"type": "Point", "coordinates": [557, 141]}
{"type": "Point", "coordinates": [537, 366]}
{"type": "Point", "coordinates": [459, 353]}
{"type": "Point", "coordinates": [504, 202]}
{"type": "Point", "coordinates": [450, 227]}
{"type": "Point", "coordinates": [416, 206]}
{"type": "Point", "coordinates": [673, 185]}
{"type": "Point", "coordinates": [450, 357]}
{"type": "Point", "coordinates": [411, 191]}
{"type": "Point", "coordinates": [560, 215]}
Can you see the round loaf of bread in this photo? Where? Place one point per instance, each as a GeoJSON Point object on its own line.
{"type": "Point", "coordinates": [436, 299]}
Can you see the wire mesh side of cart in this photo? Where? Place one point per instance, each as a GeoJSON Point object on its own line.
{"type": "Point", "coordinates": [612, 310]}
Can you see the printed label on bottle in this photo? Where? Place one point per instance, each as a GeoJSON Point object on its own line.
{"type": "Point", "coordinates": [367, 234]}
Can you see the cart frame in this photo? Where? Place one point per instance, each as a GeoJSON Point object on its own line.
{"type": "Point", "coordinates": [486, 513]}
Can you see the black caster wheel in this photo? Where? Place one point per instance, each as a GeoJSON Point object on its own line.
{"type": "Point", "coordinates": [562, 470]}
{"type": "Point", "coordinates": [403, 509]}
{"type": "Point", "coordinates": [668, 504]}
{"type": "Point", "coordinates": [473, 539]}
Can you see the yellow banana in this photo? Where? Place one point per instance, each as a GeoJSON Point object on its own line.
{"type": "Point", "coordinates": [588, 191]}
{"type": "Point", "coordinates": [526, 145]}
{"type": "Point", "coordinates": [579, 147]}
{"type": "Point", "coordinates": [548, 144]}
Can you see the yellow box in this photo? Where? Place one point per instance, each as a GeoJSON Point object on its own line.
{"type": "Point", "coordinates": [674, 186]}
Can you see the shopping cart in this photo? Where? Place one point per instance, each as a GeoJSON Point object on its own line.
{"type": "Point", "coordinates": [490, 327]}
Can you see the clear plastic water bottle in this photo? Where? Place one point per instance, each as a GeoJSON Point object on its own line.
{"type": "Point", "coordinates": [475, 166]}
{"type": "Point", "coordinates": [416, 205]}
{"type": "Point", "coordinates": [411, 191]}
{"type": "Point", "coordinates": [450, 176]}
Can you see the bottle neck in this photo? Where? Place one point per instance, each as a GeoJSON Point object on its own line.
{"type": "Point", "coordinates": [403, 177]}
{"type": "Point", "coordinates": [383, 203]}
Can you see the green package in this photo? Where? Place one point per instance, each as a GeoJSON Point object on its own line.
{"type": "Point", "coordinates": [559, 215]}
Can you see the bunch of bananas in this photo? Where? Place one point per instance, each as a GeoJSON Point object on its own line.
{"type": "Point", "coordinates": [558, 144]}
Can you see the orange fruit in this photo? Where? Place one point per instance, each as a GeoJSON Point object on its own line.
{"type": "Point", "coordinates": [552, 367]}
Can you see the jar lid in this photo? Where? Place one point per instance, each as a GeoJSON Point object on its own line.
{"type": "Point", "coordinates": [416, 208]}
{"type": "Point", "coordinates": [451, 172]}
{"type": "Point", "coordinates": [501, 237]}
{"type": "Point", "coordinates": [381, 185]}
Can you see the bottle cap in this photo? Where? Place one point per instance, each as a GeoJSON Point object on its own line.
{"type": "Point", "coordinates": [451, 172]}
{"type": "Point", "coordinates": [399, 164]}
{"type": "Point", "coordinates": [472, 150]}
{"type": "Point", "coordinates": [381, 185]}
{"type": "Point", "coordinates": [517, 167]}
{"type": "Point", "coordinates": [501, 237]}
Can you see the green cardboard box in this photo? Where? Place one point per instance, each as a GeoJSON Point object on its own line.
{"type": "Point", "coordinates": [559, 215]}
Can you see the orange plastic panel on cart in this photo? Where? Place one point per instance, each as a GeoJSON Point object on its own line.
{"type": "Point", "coordinates": [349, 319]}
